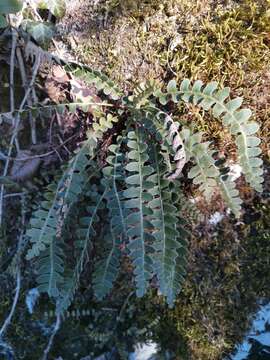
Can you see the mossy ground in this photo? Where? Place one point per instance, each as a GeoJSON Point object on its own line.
{"type": "Point", "coordinates": [225, 41]}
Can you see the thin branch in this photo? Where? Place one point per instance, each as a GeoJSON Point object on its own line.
{"type": "Point", "coordinates": [15, 130]}
{"type": "Point", "coordinates": [14, 304]}
{"type": "Point", "coordinates": [11, 71]}
{"type": "Point", "coordinates": [29, 100]}
{"type": "Point", "coordinates": [62, 143]}
{"type": "Point", "coordinates": [5, 157]}
{"type": "Point", "coordinates": [119, 317]}
{"type": "Point", "coordinates": [18, 276]}
{"type": "Point", "coordinates": [50, 343]}
{"type": "Point", "coordinates": [11, 76]}
{"type": "Point", "coordinates": [14, 195]}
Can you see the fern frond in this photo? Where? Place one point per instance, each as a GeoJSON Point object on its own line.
{"type": "Point", "coordinates": [230, 194]}
{"type": "Point", "coordinates": [176, 276]}
{"type": "Point", "coordinates": [178, 271]}
{"type": "Point", "coordinates": [100, 337]}
{"type": "Point", "coordinates": [104, 123]}
{"type": "Point", "coordinates": [50, 267]}
{"type": "Point", "coordinates": [142, 93]}
{"type": "Point", "coordinates": [46, 245]}
{"type": "Point", "coordinates": [90, 76]}
{"type": "Point", "coordinates": [235, 119]}
{"type": "Point", "coordinates": [137, 198]}
{"type": "Point", "coordinates": [165, 216]}
{"type": "Point", "coordinates": [107, 269]}
{"type": "Point", "coordinates": [44, 222]}
{"type": "Point", "coordinates": [162, 126]}
{"type": "Point", "coordinates": [85, 234]}
{"type": "Point", "coordinates": [206, 174]}
{"type": "Point", "coordinates": [47, 221]}
{"type": "Point", "coordinates": [49, 110]}
{"type": "Point", "coordinates": [177, 144]}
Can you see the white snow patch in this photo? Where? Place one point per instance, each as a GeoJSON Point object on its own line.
{"type": "Point", "coordinates": [263, 338]}
{"type": "Point", "coordinates": [195, 200]}
{"type": "Point", "coordinates": [144, 352]}
{"type": "Point", "coordinates": [216, 218]}
{"type": "Point", "coordinates": [262, 317]}
{"type": "Point", "coordinates": [257, 332]}
{"type": "Point", "coordinates": [31, 299]}
{"type": "Point", "coordinates": [235, 171]}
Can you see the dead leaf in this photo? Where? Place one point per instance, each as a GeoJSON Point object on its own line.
{"type": "Point", "coordinates": [56, 84]}
{"type": "Point", "coordinates": [24, 168]}
{"type": "Point", "coordinates": [59, 74]}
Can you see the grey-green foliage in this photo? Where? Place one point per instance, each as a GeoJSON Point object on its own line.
{"type": "Point", "coordinates": [106, 270]}
{"type": "Point", "coordinates": [236, 120]}
{"type": "Point", "coordinates": [128, 208]}
{"type": "Point", "coordinates": [48, 222]}
{"type": "Point", "coordinates": [206, 173]}
{"type": "Point", "coordinates": [8, 7]}
{"type": "Point", "coordinates": [56, 7]}
{"type": "Point", "coordinates": [138, 211]}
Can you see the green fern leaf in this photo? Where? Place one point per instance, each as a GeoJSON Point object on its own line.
{"type": "Point", "coordinates": [47, 223]}
{"type": "Point", "coordinates": [136, 202]}
{"type": "Point", "coordinates": [207, 175]}
{"type": "Point", "coordinates": [176, 276]}
{"type": "Point", "coordinates": [106, 270]}
{"type": "Point", "coordinates": [90, 76]}
{"type": "Point", "coordinates": [142, 93]}
{"type": "Point", "coordinates": [237, 121]}
{"type": "Point", "coordinates": [50, 266]}
{"type": "Point", "coordinates": [85, 235]}
{"type": "Point", "coordinates": [165, 215]}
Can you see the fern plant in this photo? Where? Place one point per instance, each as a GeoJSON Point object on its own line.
{"type": "Point", "coordinates": [128, 208]}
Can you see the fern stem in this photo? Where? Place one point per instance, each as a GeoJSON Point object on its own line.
{"type": "Point", "coordinates": [141, 208]}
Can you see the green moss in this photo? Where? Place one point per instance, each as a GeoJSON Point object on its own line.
{"type": "Point", "coordinates": [226, 46]}
{"type": "Point", "coordinates": [228, 274]}
{"type": "Point", "coordinates": [177, 39]}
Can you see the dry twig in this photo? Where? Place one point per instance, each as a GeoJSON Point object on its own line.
{"type": "Point", "coordinates": [15, 131]}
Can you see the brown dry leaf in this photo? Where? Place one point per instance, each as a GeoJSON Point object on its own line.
{"type": "Point", "coordinates": [53, 90]}
{"type": "Point", "coordinates": [59, 74]}
{"type": "Point", "coordinates": [24, 168]}
{"type": "Point", "coordinates": [55, 83]}
{"type": "Point", "coordinates": [69, 122]}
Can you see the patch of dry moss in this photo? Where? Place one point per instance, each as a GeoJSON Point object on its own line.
{"type": "Point", "coordinates": [210, 40]}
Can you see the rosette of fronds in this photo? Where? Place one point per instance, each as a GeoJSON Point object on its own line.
{"type": "Point", "coordinates": [128, 208]}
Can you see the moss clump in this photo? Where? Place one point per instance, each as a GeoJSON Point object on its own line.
{"type": "Point", "coordinates": [176, 39]}
{"type": "Point", "coordinates": [226, 45]}
{"type": "Point", "coordinates": [228, 274]}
